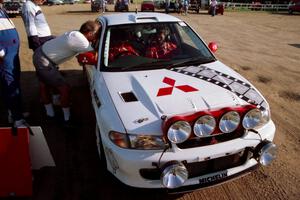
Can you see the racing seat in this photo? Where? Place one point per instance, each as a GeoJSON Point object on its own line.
{"type": "Point", "coordinates": [121, 49]}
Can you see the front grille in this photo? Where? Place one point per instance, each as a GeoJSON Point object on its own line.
{"type": "Point", "coordinates": [205, 167]}
{"type": "Point", "coordinates": [197, 142]}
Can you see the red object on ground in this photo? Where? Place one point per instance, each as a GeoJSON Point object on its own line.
{"type": "Point", "coordinates": [15, 164]}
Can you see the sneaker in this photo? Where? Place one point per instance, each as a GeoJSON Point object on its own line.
{"type": "Point", "coordinates": [21, 124]}
{"type": "Point", "coordinates": [11, 120]}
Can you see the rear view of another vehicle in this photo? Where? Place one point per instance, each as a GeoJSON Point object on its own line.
{"type": "Point", "coordinates": [121, 6]}
{"type": "Point", "coordinates": [294, 6]}
{"type": "Point", "coordinates": [147, 5]}
{"type": "Point", "coordinates": [96, 5]}
{"type": "Point", "coordinates": [195, 5]}
{"type": "Point", "coordinates": [69, 2]}
{"type": "Point", "coordinates": [13, 9]}
{"type": "Point", "coordinates": [54, 2]}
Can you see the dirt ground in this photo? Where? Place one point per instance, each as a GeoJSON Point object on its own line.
{"type": "Point", "coordinates": [263, 47]}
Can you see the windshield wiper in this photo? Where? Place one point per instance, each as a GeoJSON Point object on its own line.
{"type": "Point", "coordinates": [167, 64]}
{"type": "Point", "coordinates": [192, 61]}
{"type": "Point", "coordinates": [153, 64]}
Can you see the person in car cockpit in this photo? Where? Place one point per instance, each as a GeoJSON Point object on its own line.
{"type": "Point", "coordinates": [161, 47]}
{"type": "Point", "coordinates": [121, 46]}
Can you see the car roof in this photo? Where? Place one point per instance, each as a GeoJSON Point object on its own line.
{"type": "Point", "coordinates": [140, 17]}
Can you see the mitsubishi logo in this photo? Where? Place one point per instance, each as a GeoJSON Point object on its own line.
{"type": "Point", "coordinates": [171, 82]}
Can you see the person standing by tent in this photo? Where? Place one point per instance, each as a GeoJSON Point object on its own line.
{"type": "Point", "coordinates": [37, 28]}
{"type": "Point", "coordinates": [213, 7]}
{"type": "Point", "coordinates": [185, 6]}
{"type": "Point", "coordinates": [10, 69]}
{"type": "Point", "coordinates": [38, 32]}
{"type": "Point", "coordinates": [167, 6]}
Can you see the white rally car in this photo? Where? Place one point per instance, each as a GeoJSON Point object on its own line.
{"type": "Point", "coordinates": [169, 114]}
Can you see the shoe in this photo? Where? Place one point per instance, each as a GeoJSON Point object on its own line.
{"type": "Point", "coordinates": [21, 124]}
{"type": "Point", "coordinates": [10, 118]}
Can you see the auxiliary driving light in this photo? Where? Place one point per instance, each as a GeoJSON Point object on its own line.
{"type": "Point", "coordinates": [252, 119]}
{"type": "Point", "coordinates": [204, 126]}
{"type": "Point", "coordinates": [179, 132]}
{"type": "Point", "coordinates": [229, 122]}
{"type": "Point", "coordinates": [265, 152]}
{"type": "Point", "coordinates": [174, 174]}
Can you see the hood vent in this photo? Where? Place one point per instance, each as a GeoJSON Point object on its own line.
{"type": "Point", "coordinates": [128, 97]}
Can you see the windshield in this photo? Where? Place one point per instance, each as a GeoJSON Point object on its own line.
{"type": "Point", "coordinates": [153, 46]}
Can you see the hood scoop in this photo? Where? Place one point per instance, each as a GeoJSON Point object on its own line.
{"type": "Point", "coordinates": [128, 96]}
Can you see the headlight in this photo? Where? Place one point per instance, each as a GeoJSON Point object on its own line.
{"type": "Point", "coordinates": [204, 126]}
{"type": "Point", "coordinates": [133, 141]}
{"type": "Point", "coordinates": [146, 142]}
{"type": "Point", "coordinates": [229, 122]}
{"type": "Point", "coordinates": [179, 132]}
{"type": "Point", "coordinates": [255, 118]}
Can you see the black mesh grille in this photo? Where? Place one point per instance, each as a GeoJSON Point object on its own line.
{"type": "Point", "coordinates": [197, 142]}
{"type": "Point", "coordinates": [205, 167]}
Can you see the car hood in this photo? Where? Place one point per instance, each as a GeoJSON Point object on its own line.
{"type": "Point", "coordinates": [142, 98]}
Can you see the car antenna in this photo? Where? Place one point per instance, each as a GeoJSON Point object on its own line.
{"type": "Point", "coordinates": [136, 10]}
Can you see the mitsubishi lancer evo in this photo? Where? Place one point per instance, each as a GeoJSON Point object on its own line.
{"type": "Point", "coordinates": [169, 114]}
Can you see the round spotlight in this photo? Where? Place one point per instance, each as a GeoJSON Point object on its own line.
{"type": "Point", "coordinates": [267, 153]}
{"type": "Point", "coordinates": [179, 132]}
{"type": "Point", "coordinates": [229, 122]}
{"type": "Point", "coordinates": [252, 119]}
{"type": "Point", "coordinates": [174, 174]}
{"type": "Point", "coordinates": [204, 126]}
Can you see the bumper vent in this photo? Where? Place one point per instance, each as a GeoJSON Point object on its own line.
{"type": "Point", "coordinates": [198, 142]}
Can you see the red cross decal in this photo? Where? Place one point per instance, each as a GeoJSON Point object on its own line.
{"type": "Point", "coordinates": [168, 90]}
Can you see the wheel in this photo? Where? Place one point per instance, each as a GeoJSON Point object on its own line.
{"type": "Point", "coordinates": [290, 12]}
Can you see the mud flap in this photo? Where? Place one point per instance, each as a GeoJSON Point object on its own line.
{"type": "Point", "coordinates": [20, 152]}
{"type": "Point", "coordinates": [15, 165]}
{"type": "Point", "coordinates": [39, 151]}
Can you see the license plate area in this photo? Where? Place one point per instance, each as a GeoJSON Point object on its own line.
{"type": "Point", "coordinates": [210, 178]}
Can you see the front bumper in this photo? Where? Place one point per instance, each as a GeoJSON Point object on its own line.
{"type": "Point", "coordinates": [126, 164]}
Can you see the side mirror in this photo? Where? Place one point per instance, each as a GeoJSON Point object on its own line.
{"type": "Point", "coordinates": [89, 58]}
{"type": "Point", "coordinates": [213, 46]}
